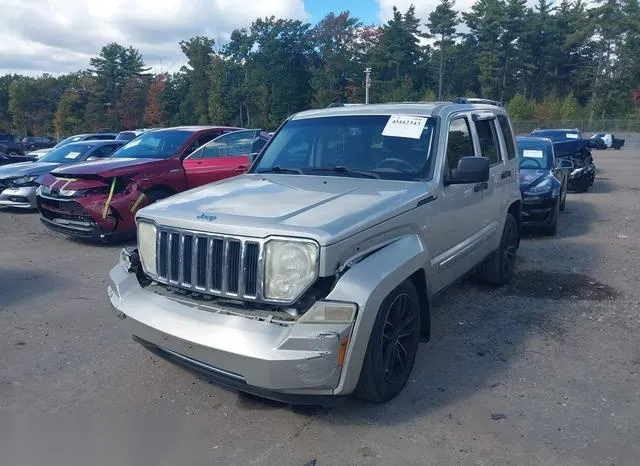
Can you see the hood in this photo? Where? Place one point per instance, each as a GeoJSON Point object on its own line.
{"type": "Point", "coordinates": [108, 167]}
{"type": "Point", "coordinates": [16, 170]}
{"type": "Point", "coordinates": [40, 152]}
{"type": "Point", "coordinates": [327, 209]}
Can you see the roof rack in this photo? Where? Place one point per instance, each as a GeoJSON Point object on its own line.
{"type": "Point", "coordinates": [473, 100]}
{"type": "Point", "coordinates": [340, 104]}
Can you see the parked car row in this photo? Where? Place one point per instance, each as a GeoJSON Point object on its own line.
{"type": "Point", "coordinates": [301, 265]}
{"type": "Point", "coordinates": [91, 188]}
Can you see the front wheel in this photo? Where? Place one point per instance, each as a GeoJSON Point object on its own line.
{"type": "Point", "coordinates": [392, 346]}
{"type": "Point", "coordinates": [498, 268]}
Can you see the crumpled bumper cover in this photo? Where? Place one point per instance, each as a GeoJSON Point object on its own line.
{"type": "Point", "coordinates": [87, 217]}
{"type": "Point", "coordinates": [295, 363]}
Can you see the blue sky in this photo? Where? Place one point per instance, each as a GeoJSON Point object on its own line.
{"type": "Point", "coordinates": [366, 10]}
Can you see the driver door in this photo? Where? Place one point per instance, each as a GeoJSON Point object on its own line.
{"type": "Point", "coordinates": [456, 236]}
{"type": "Point", "coordinates": [224, 157]}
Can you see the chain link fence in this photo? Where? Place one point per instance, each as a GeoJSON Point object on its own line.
{"type": "Point", "coordinates": [623, 128]}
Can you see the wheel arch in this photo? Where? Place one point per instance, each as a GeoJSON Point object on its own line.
{"type": "Point", "coordinates": [368, 283]}
{"type": "Point", "coordinates": [515, 209]}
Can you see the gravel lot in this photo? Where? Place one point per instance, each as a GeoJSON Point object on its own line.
{"type": "Point", "coordinates": [545, 371]}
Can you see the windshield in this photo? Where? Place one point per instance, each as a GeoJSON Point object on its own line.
{"type": "Point", "coordinates": [534, 155]}
{"type": "Point", "coordinates": [374, 146]}
{"type": "Point", "coordinates": [154, 145]}
{"type": "Point", "coordinates": [67, 153]}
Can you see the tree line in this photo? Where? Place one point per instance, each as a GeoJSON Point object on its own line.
{"type": "Point", "coordinates": [552, 61]}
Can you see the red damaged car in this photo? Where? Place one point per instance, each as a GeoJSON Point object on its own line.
{"type": "Point", "coordinates": [99, 199]}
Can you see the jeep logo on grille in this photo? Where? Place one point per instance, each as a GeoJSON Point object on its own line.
{"type": "Point", "coordinates": [204, 216]}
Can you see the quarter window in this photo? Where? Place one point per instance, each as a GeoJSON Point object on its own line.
{"type": "Point", "coordinates": [459, 143]}
{"type": "Point", "coordinates": [488, 140]}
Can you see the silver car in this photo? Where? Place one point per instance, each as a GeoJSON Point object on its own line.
{"type": "Point", "coordinates": [19, 181]}
{"type": "Point", "coordinates": [311, 276]}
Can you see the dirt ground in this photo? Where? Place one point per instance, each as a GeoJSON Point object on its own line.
{"type": "Point", "coordinates": [544, 371]}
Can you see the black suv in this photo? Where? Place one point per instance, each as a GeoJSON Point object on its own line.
{"type": "Point", "coordinates": [10, 144]}
{"type": "Point", "coordinates": [37, 142]}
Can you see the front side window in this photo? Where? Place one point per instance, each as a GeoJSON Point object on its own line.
{"type": "Point", "coordinates": [232, 144]}
{"type": "Point", "coordinates": [488, 139]}
{"type": "Point", "coordinates": [154, 145]}
{"type": "Point", "coordinates": [374, 146]}
{"type": "Point", "coordinates": [459, 143]}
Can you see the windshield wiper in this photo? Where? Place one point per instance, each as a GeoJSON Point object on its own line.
{"type": "Point", "coordinates": [347, 171]}
{"type": "Point", "coordinates": [277, 169]}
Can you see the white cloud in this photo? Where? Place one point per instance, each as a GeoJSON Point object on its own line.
{"type": "Point", "coordinates": [57, 36]}
{"type": "Point", "coordinates": [423, 7]}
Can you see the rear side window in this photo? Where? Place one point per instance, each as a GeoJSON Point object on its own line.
{"type": "Point", "coordinates": [507, 135]}
{"type": "Point", "coordinates": [459, 143]}
{"type": "Point", "coordinates": [488, 139]}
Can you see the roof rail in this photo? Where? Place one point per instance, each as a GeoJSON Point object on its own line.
{"type": "Point", "coordinates": [473, 100]}
{"type": "Point", "coordinates": [341, 104]}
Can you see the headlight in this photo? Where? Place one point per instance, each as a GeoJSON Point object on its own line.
{"type": "Point", "coordinates": [25, 180]}
{"type": "Point", "coordinates": [541, 187]}
{"type": "Point", "coordinates": [290, 267]}
{"type": "Point", "coordinates": [147, 246]}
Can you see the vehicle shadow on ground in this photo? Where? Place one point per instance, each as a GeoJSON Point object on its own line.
{"type": "Point", "coordinates": [14, 210]}
{"type": "Point", "coordinates": [576, 220]}
{"type": "Point", "coordinates": [601, 185]}
{"type": "Point", "coordinates": [18, 285]}
{"type": "Point", "coordinates": [120, 241]}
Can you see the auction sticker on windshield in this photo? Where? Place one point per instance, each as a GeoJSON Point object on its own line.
{"type": "Point", "coordinates": [72, 155]}
{"type": "Point", "coordinates": [401, 126]}
{"type": "Point", "coordinates": [571, 136]}
{"type": "Point", "coordinates": [535, 154]}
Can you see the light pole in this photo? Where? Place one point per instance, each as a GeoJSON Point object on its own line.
{"type": "Point", "coordinates": [367, 84]}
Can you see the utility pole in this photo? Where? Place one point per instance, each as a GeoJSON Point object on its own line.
{"type": "Point", "coordinates": [367, 84]}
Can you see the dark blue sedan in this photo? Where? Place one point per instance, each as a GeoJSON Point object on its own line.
{"type": "Point", "coordinates": [543, 183]}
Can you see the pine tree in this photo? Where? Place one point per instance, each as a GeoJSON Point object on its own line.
{"type": "Point", "coordinates": [442, 25]}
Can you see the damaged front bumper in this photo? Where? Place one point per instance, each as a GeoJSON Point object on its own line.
{"type": "Point", "coordinates": [292, 362]}
{"type": "Point", "coordinates": [90, 216]}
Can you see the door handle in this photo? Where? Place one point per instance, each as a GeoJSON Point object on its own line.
{"type": "Point", "coordinates": [480, 187]}
{"type": "Point", "coordinates": [506, 174]}
{"type": "Point", "coordinates": [241, 168]}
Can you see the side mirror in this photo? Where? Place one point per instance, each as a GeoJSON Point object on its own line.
{"type": "Point", "coordinates": [470, 170]}
{"type": "Point", "coordinates": [565, 164]}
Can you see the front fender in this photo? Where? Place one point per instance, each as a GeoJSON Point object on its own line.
{"type": "Point", "coordinates": [367, 283]}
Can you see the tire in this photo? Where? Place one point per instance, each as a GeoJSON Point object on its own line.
{"type": "Point", "coordinates": [498, 268]}
{"type": "Point", "coordinates": [383, 374]}
{"type": "Point", "coordinates": [564, 198]}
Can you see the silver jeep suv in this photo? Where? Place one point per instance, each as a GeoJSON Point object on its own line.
{"type": "Point", "coordinates": [312, 275]}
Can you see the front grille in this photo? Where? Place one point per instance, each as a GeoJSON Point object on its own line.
{"type": "Point", "coordinates": [218, 265]}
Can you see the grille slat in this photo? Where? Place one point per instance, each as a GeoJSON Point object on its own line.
{"type": "Point", "coordinates": [212, 264]}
